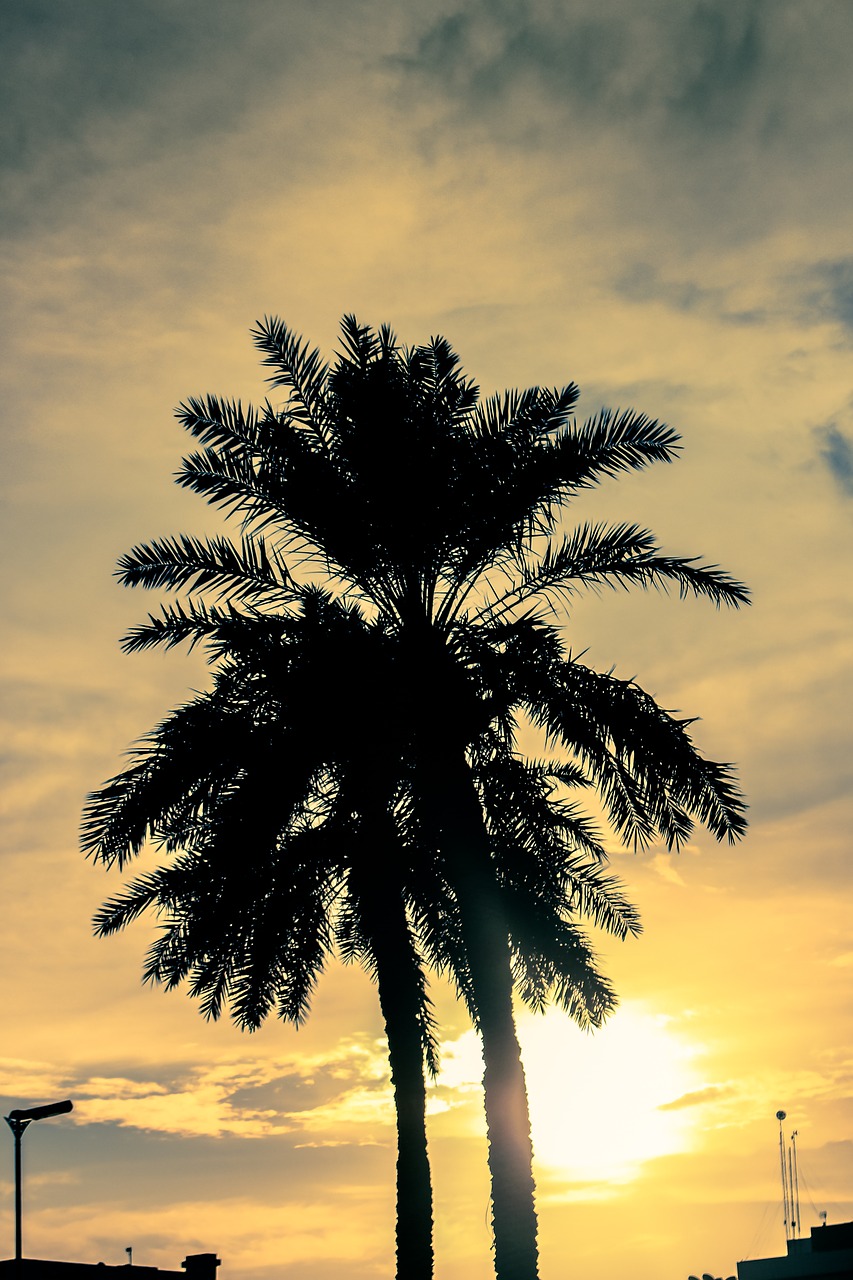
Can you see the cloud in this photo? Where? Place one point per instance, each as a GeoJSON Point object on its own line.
{"type": "Point", "coordinates": [43, 1080]}
{"type": "Point", "coordinates": [88, 87]}
{"type": "Point", "coordinates": [643, 283]}
{"type": "Point", "coordinates": [804, 1089]}
{"type": "Point", "coordinates": [836, 452]}
{"type": "Point", "coordinates": [717, 118]}
{"type": "Point", "coordinates": [696, 1097]}
{"type": "Point", "coordinates": [345, 1092]}
{"type": "Point", "coordinates": [602, 60]}
{"type": "Point", "coordinates": [663, 865]}
{"type": "Point", "coordinates": [826, 292]}
{"type": "Point", "coordinates": [698, 68]}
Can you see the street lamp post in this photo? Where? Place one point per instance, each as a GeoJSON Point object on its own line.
{"type": "Point", "coordinates": [17, 1121]}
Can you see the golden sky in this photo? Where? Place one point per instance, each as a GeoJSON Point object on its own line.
{"type": "Point", "coordinates": [650, 197]}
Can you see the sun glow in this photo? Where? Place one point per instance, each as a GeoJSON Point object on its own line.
{"type": "Point", "coordinates": [601, 1104]}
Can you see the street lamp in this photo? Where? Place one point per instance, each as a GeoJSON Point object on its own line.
{"type": "Point", "coordinates": [17, 1121]}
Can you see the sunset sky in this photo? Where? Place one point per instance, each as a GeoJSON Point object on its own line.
{"type": "Point", "coordinates": [650, 197]}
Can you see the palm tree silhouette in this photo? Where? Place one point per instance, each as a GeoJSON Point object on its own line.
{"type": "Point", "coordinates": [387, 479]}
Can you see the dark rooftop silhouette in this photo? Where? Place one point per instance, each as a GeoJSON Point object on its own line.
{"type": "Point", "coordinates": [197, 1266]}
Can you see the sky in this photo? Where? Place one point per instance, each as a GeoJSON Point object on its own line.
{"type": "Point", "coordinates": [649, 197]}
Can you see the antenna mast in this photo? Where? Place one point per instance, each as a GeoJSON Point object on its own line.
{"type": "Point", "coordinates": [780, 1116]}
{"type": "Point", "coordinates": [796, 1186]}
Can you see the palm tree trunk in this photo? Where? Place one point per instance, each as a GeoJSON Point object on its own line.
{"type": "Point", "coordinates": [399, 981]}
{"type": "Point", "coordinates": [457, 818]}
{"type": "Point", "coordinates": [505, 1094]}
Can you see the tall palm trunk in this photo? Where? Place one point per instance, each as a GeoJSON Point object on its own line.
{"type": "Point", "coordinates": [457, 820]}
{"type": "Point", "coordinates": [401, 998]}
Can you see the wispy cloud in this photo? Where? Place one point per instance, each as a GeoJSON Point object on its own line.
{"type": "Point", "coordinates": [43, 1080]}
{"type": "Point", "coordinates": [828, 292]}
{"type": "Point", "coordinates": [85, 95]}
{"type": "Point", "coordinates": [696, 1098]}
{"type": "Point", "coordinates": [344, 1092]}
{"type": "Point", "coordinates": [689, 103]}
{"type": "Point", "coordinates": [835, 448]}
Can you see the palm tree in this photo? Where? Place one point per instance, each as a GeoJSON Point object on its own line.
{"type": "Point", "coordinates": [239, 786]}
{"type": "Point", "coordinates": [387, 476]}
{"type": "Point", "coordinates": [260, 799]}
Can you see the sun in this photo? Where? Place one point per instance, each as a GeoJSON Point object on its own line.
{"type": "Point", "coordinates": [600, 1103]}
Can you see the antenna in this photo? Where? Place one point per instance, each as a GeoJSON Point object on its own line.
{"type": "Point", "coordinates": [796, 1188]}
{"type": "Point", "coordinates": [780, 1116]}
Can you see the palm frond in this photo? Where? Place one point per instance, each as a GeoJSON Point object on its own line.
{"type": "Point", "coordinates": [246, 573]}
{"type": "Point", "coordinates": [534, 411]}
{"type": "Point", "coordinates": [360, 343]}
{"type": "Point", "coordinates": [300, 369]}
{"type": "Point", "coordinates": [623, 555]}
{"type": "Point", "coordinates": [553, 960]}
{"type": "Point", "coordinates": [183, 765]}
{"type": "Point", "coordinates": [611, 442]}
{"type": "Point", "coordinates": [600, 898]}
{"type": "Point", "coordinates": [191, 621]}
{"type": "Point", "coordinates": [221, 424]}
{"type": "Point", "coordinates": [230, 481]}
{"type": "Point", "coordinates": [650, 772]}
{"type": "Point", "coordinates": [119, 911]}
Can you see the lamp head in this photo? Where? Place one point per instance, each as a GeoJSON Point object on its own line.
{"type": "Point", "coordinates": [42, 1113]}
